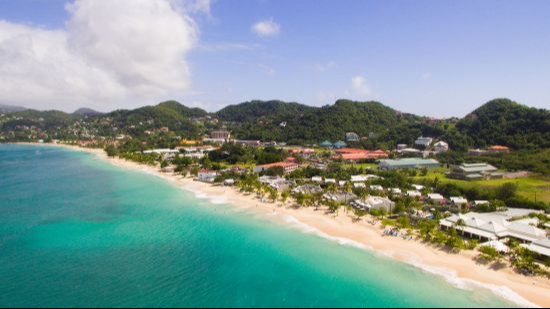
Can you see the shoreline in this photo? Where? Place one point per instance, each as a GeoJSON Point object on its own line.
{"type": "Point", "coordinates": [459, 270]}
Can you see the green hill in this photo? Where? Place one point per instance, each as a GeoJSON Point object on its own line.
{"type": "Point", "coordinates": [171, 114]}
{"type": "Point", "coordinates": [505, 122]}
{"type": "Point", "coordinates": [41, 119]}
{"type": "Point", "coordinates": [10, 109]}
{"type": "Point", "coordinates": [297, 123]}
{"type": "Point", "coordinates": [500, 121]}
{"type": "Point", "coordinates": [86, 112]}
{"type": "Point", "coordinates": [267, 111]}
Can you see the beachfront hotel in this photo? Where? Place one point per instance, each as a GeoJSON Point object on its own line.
{"type": "Point", "coordinates": [288, 167]}
{"type": "Point", "coordinates": [497, 225]}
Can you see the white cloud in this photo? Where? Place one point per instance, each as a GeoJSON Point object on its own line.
{"type": "Point", "coordinates": [112, 52]}
{"type": "Point", "coordinates": [266, 28]}
{"type": "Point", "coordinates": [226, 46]}
{"type": "Point", "coordinates": [427, 76]}
{"type": "Point", "coordinates": [201, 6]}
{"type": "Point", "coordinates": [360, 86]}
{"type": "Point", "coordinates": [267, 69]}
{"type": "Point", "coordinates": [323, 67]}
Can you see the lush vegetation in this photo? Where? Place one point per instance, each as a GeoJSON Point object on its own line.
{"type": "Point", "coordinates": [237, 154]}
{"type": "Point", "coordinates": [529, 192]}
{"type": "Point", "coordinates": [10, 109]}
{"type": "Point", "coordinates": [263, 111]}
{"type": "Point", "coordinates": [536, 160]}
{"type": "Point", "coordinates": [172, 115]}
{"type": "Point", "coordinates": [299, 124]}
{"type": "Point", "coordinates": [525, 130]}
{"type": "Point", "coordinates": [504, 122]}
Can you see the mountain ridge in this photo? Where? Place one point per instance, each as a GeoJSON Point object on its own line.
{"type": "Point", "coordinates": [499, 121]}
{"type": "Point", "coordinates": [11, 109]}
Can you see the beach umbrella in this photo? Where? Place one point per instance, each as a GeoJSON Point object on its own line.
{"type": "Point", "coordinates": [497, 245]}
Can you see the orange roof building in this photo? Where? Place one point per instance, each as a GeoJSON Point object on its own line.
{"type": "Point", "coordinates": [499, 149]}
{"type": "Point", "coordinates": [287, 166]}
{"type": "Point", "coordinates": [352, 154]}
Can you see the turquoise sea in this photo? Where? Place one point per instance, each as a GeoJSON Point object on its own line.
{"type": "Point", "coordinates": [78, 232]}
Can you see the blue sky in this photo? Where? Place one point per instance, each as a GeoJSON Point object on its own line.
{"type": "Point", "coordinates": [436, 58]}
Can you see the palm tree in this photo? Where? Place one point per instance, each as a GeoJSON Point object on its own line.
{"type": "Point", "coordinates": [273, 194]}
{"type": "Point", "coordinates": [348, 187]}
{"type": "Point", "coordinates": [363, 193]}
{"type": "Point", "coordinates": [284, 196]}
{"type": "Point", "coordinates": [359, 213]}
{"type": "Point", "coordinates": [318, 199]}
{"type": "Point", "coordinates": [331, 188]}
{"type": "Point", "coordinates": [300, 199]}
{"type": "Point", "coordinates": [333, 206]}
{"type": "Point", "coordinates": [460, 225]}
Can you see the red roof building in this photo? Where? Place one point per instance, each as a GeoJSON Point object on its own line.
{"type": "Point", "coordinates": [352, 154]}
{"type": "Point", "coordinates": [287, 166]}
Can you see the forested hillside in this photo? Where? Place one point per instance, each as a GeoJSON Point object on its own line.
{"type": "Point", "coordinates": [171, 114]}
{"type": "Point", "coordinates": [295, 123]}
{"type": "Point", "coordinates": [505, 122]}
{"type": "Point", "coordinates": [267, 111]}
{"type": "Point", "coordinates": [500, 121]}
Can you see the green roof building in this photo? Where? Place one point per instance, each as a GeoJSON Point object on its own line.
{"type": "Point", "coordinates": [475, 171]}
{"type": "Point", "coordinates": [326, 144]}
{"type": "Point", "coordinates": [408, 163]}
{"type": "Point", "coordinates": [340, 144]}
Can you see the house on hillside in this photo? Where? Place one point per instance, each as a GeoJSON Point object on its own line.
{"type": "Point", "coordinates": [440, 147]}
{"type": "Point", "coordinates": [221, 135]}
{"type": "Point", "coordinates": [476, 152]}
{"type": "Point", "coordinates": [352, 137]}
{"type": "Point", "coordinates": [424, 141]}
{"type": "Point", "coordinates": [499, 149]}
{"type": "Point", "coordinates": [339, 144]}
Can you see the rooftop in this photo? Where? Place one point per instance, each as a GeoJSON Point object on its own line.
{"type": "Point", "coordinates": [409, 162]}
{"type": "Point", "coordinates": [477, 168]}
{"type": "Point", "coordinates": [278, 164]}
{"type": "Point", "coordinates": [496, 225]}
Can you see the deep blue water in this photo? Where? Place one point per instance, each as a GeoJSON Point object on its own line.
{"type": "Point", "coordinates": [78, 232]}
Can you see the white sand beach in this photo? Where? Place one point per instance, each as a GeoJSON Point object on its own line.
{"type": "Point", "coordinates": [459, 269]}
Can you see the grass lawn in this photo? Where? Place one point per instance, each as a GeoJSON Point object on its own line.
{"type": "Point", "coordinates": [363, 166]}
{"type": "Point", "coordinates": [529, 187]}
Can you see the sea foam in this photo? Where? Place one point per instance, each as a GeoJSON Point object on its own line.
{"type": "Point", "coordinates": [450, 276]}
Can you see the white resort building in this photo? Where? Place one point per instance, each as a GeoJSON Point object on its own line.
{"type": "Point", "coordinates": [541, 247]}
{"type": "Point", "coordinates": [206, 175]}
{"type": "Point", "coordinates": [374, 202]}
{"type": "Point", "coordinates": [496, 226]}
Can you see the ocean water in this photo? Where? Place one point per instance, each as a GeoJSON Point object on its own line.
{"type": "Point", "coordinates": [78, 232]}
